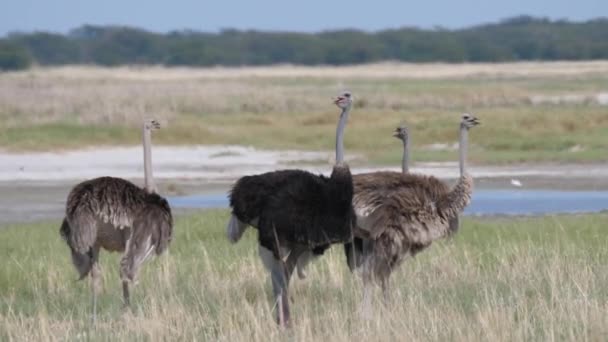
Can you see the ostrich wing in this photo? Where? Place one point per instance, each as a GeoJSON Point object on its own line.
{"type": "Point", "coordinates": [403, 203]}
{"type": "Point", "coordinates": [154, 221]}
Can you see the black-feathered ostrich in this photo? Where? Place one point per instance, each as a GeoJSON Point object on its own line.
{"type": "Point", "coordinates": [116, 215]}
{"type": "Point", "coordinates": [297, 214]}
{"type": "Point", "coordinates": [401, 214]}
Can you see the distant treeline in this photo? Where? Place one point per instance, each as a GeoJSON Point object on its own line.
{"type": "Point", "coordinates": [514, 39]}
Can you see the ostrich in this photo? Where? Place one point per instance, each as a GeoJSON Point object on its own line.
{"type": "Point", "coordinates": [118, 216]}
{"type": "Point", "coordinates": [297, 214]}
{"type": "Point", "coordinates": [400, 214]}
{"type": "Point", "coordinates": [354, 249]}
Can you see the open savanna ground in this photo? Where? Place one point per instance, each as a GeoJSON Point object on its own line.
{"type": "Point", "coordinates": [499, 279]}
{"type": "Point", "coordinates": [530, 111]}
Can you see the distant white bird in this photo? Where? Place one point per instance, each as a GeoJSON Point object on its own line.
{"type": "Point", "coordinates": [516, 183]}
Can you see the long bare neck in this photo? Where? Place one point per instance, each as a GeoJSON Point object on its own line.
{"type": "Point", "coordinates": [406, 155]}
{"type": "Point", "coordinates": [340, 135]}
{"type": "Point", "coordinates": [149, 180]}
{"type": "Point", "coordinates": [464, 140]}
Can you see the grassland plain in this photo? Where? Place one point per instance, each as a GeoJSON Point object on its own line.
{"type": "Point", "coordinates": [499, 279]}
{"type": "Point", "coordinates": [530, 111]}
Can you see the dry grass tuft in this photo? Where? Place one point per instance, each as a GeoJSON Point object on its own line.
{"type": "Point", "coordinates": [499, 279]}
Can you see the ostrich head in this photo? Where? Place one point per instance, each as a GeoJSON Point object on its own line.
{"type": "Point", "coordinates": [401, 133]}
{"type": "Point", "coordinates": [345, 100]}
{"type": "Point", "coordinates": [469, 121]}
{"type": "Point", "coordinates": [151, 124]}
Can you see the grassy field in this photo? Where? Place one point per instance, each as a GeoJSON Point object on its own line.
{"type": "Point", "coordinates": [498, 280]}
{"type": "Point", "coordinates": [530, 111]}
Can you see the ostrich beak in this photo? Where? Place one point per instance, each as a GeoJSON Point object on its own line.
{"type": "Point", "coordinates": [339, 99]}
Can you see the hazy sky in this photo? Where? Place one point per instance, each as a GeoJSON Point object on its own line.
{"type": "Point", "coordinates": [303, 15]}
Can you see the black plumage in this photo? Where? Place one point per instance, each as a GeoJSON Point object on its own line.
{"type": "Point", "coordinates": [250, 194]}
{"type": "Point", "coordinates": [296, 206]}
{"type": "Point", "coordinates": [297, 214]}
{"type": "Point", "coordinates": [314, 211]}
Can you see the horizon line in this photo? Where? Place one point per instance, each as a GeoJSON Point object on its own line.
{"type": "Point", "coordinates": [435, 27]}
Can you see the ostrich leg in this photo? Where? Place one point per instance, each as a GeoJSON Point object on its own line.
{"type": "Point", "coordinates": [280, 274]}
{"type": "Point", "coordinates": [95, 280]}
{"type": "Point", "coordinates": [304, 259]}
{"type": "Point", "coordinates": [368, 277]}
{"type": "Point", "coordinates": [385, 286]}
{"type": "Point", "coordinates": [95, 288]}
{"type": "Point", "coordinates": [126, 297]}
{"type": "Point", "coordinates": [135, 255]}
{"type": "Point", "coordinates": [126, 275]}
{"type": "Point", "coordinates": [376, 270]}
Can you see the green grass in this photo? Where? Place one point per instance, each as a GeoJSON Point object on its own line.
{"type": "Point", "coordinates": [64, 135]}
{"type": "Point", "coordinates": [507, 135]}
{"type": "Point", "coordinates": [500, 279]}
{"type": "Point", "coordinates": [62, 108]}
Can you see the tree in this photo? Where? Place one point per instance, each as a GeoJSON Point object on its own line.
{"type": "Point", "coordinates": [518, 38]}
{"type": "Point", "coordinates": [13, 57]}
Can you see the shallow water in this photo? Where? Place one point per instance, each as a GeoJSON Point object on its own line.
{"type": "Point", "coordinates": [485, 202]}
{"type": "Point", "coordinates": [27, 204]}
{"type": "Point", "coordinates": [536, 202]}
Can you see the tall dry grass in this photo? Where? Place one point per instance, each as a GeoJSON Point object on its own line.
{"type": "Point", "coordinates": [533, 111]}
{"type": "Point", "coordinates": [125, 94]}
{"type": "Point", "coordinates": [499, 280]}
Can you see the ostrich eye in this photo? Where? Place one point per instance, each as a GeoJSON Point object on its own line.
{"type": "Point", "coordinates": [347, 95]}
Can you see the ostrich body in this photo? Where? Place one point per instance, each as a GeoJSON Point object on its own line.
{"type": "Point", "coordinates": [401, 214]}
{"type": "Point", "coordinates": [297, 214]}
{"type": "Point", "coordinates": [118, 216]}
{"type": "Point", "coordinates": [354, 250]}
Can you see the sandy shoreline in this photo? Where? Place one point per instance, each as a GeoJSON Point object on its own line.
{"type": "Point", "coordinates": [222, 163]}
{"type": "Point", "coordinates": [33, 186]}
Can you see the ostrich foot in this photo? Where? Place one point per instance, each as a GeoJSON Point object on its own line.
{"type": "Point", "coordinates": [301, 273]}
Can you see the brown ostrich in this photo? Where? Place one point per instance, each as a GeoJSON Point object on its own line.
{"type": "Point", "coordinates": [401, 214]}
{"type": "Point", "coordinates": [118, 216]}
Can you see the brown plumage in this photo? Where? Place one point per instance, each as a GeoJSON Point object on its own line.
{"type": "Point", "coordinates": [118, 216]}
{"type": "Point", "coordinates": [113, 213]}
{"type": "Point", "coordinates": [401, 214]}
{"type": "Point", "coordinates": [404, 213]}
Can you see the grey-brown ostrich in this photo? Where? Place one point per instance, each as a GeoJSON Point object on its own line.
{"type": "Point", "coordinates": [296, 213]}
{"type": "Point", "coordinates": [354, 250]}
{"type": "Point", "coordinates": [401, 214]}
{"type": "Point", "coordinates": [118, 216]}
